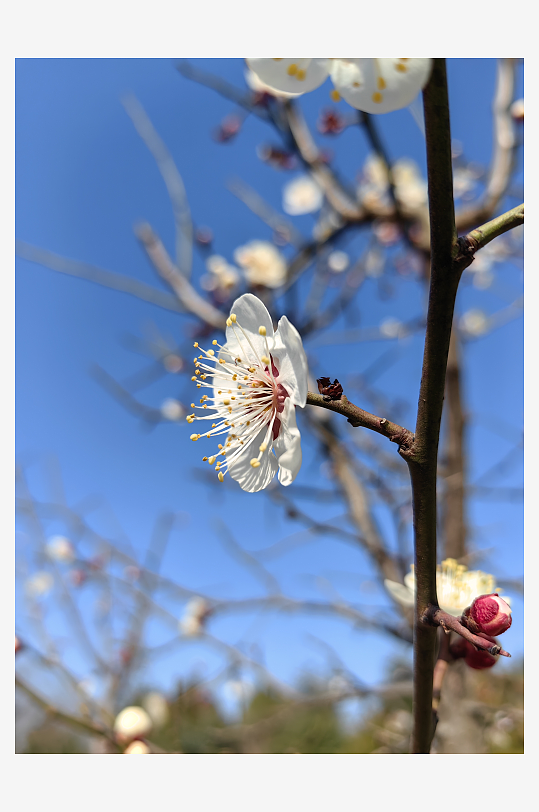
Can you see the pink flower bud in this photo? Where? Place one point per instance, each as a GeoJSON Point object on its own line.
{"type": "Point", "coordinates": [491, 614]}
{"type": "Point", "coordinates": [472, 657]}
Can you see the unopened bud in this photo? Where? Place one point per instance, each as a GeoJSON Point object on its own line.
{"type": "Point", "coordinates": [473, 657]}
{"type": "Point", "coordinates": [489, 614]}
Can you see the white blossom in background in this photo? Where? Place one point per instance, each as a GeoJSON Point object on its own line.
{"type": "Point", "coordinates": [132, 723]}
{"type": "Point", "coordinates": [255, 383]}
{"type": "Point", "coordinates": [261, 263]}
{"type": "Point", "coordinates": [302, 195]}
{"type": "Point", "coordinates": [391, 328]}
{"type": "Point", "coordinates": [371, 85]}
{"type": "Point", "coordinates": [137, 748]}
{"type": "Point", "coordinates": [456, 586]}
{"type": "Point", "coordinates": [222, 276]}
{"type": "Point", "coordinates": [256, 84]}
{"type": "Point", "coordinates": [410, 187]}
{"type": "Point", "coordinates": [338, 261]}
{"type": "Point", "coordinates": [172, 409]}
{"type": "Point", "coordinates": [474, 322]}
{"type": "Point", "coordinates": [39, 585]}
{"type": "Point", "coordinates": [192, 622]}
{"type": "Point", "coordinates": [156, 707]}
{"type": "Point", "coordinates": [483, 280]}
{"type": "Point", "coordinates": [173, 363]}
{"type": "Point", "coordinates": [59, 548]}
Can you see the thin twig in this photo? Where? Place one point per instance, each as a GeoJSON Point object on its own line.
{"type": "Point", "coordinates": [173, 181]}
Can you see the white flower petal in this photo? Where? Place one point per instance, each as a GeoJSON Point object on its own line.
{"type": "Point", "coordinates": [291, 361]}
{"type": "Point", "coordinates": [250, 314]}
{"type": "Point", "coordinates": [291, 75]}
{"type": "Point", "coordinates": [399, 592]}
{"type": "Point", "coordinates": [254, 479]}
{"type": "Point", "coordinates": [380, 85]}
{"type": "Point", "coordinates": [302, 196]}
{"type": "Point", "coordinates": [256, 84]}
{"type": "Point", "coordinates": [288, 445]}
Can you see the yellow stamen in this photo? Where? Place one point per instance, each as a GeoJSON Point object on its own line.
{"type": "Point", "coordinates": [214, 342]}
{"type": "Point", "coordinates": [377, 97]}
{"type": "Point", "coordinates": [262, 331]}
{"type": "Point", "coordinates": [292, 69]}
{"type": "Point", "coordinates": [381, 83]}
{"type": "Point", "coordinates": [335, 95]}
{"type": "Point", "coordinates": [265, 359]}
{"type": "Point", "coordinates": [300, 75]}
{"type": "Point", "coordinates": [233, 318]}
{"type": "Point", "coordinates": [263, 447]}
{"type": "Point", "coordinates": [220, 476]}
{"type": "Point", "coordinates": [255, 463]}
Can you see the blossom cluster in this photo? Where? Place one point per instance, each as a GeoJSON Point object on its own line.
{"type": "Point", "coordinates": [371, 85]}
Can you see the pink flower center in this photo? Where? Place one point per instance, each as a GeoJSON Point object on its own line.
{"type": "Point", "coordinates": [279, 396]}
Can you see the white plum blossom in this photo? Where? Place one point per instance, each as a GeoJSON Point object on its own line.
{"type": "Point", "coordinates": [456, 586]}
{"type": "Point", "coordinates": [39, 585]}
{"type": "Point", "coordinates": [192, 622]}
{"type": "Point", "coordinates": [338, 261]}
{"type": "Point", "coordinates": [256, 84]}
{"type": "Point", "coordinates": [256, 381]}
{"type": "Point", "coordinates": [222, 276]}
{"type": "Point", "coordinates": [137, 748]}
{"type": "Point", "coordinates": [371, 85]}
{"type": "Point", "coordinates": [474, 322]}
{"type": "Point", "coordinates": [132, 723]}
{"type": "Point", "coordinates": [262, 263]}
{"type": "Point", "coordinates": [302, 195]}
{"type": "Point", "coordinates": [410, 187]}
{"type": "Point", "coordinates": [59, 548]}
{"type": "Point", "coordinates": [391, 328]}
{"type": "Point", "coordinates": [172, 409]}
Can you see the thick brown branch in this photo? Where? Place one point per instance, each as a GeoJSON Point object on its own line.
{"type": "Point", "coordinates": [445, 276]}
{"type": "Point", "coordinates": [454, 524]}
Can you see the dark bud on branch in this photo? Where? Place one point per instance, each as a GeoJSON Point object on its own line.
{"type": "Point", "coordinates": [330, 391]}
{"type": "Point", "coordinates": [228, 129]}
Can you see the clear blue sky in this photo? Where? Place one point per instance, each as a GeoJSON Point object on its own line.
{"type": "Point", "coordinates": [83, 178]}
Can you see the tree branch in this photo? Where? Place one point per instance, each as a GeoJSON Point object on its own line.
{"type": "Point", "coordinates": [173, 181]}
{"type": "Point", "coordinates": [360, 418]}
{"type": "Point", "coordinates": [444, 279]}
{"type": "Point", "coordinates": [168, 271]}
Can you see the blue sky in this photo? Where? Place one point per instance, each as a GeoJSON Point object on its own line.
{"type": "Point", "coordinates": [83, 178]}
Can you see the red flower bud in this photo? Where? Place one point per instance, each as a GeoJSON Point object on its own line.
{"type": "Point", "coordinates": [472, 657]}
{"type": "Point", "coordinates": [491, 614]}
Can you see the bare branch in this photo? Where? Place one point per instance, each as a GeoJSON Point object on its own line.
{"type": "Point", "coordinates": [173, 181]}
{"type": "Point", "coordinates": [187, 295]}
{"type": "Point", "coordinates": [504, 151]}
{"type": "Point", "coordinates": [107, 279]}
{"type": "Point", "coordinates": [360, 418]}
